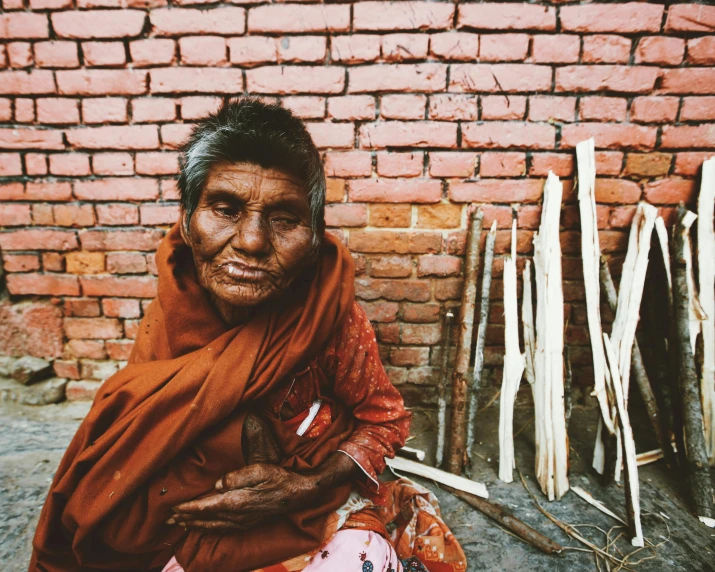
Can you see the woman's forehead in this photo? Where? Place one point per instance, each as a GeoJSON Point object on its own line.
{"type": "Point", "coordinates": [241, 178]}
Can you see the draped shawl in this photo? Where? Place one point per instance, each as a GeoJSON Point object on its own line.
{"type": "Point", "coordinates": [163, 431]}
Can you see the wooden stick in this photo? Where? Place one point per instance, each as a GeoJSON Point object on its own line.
{"type": "Point", "coordinates": [481, 337]}
{"type": "Point", "coordinates": [629, 447]}
{"type": "Point", "coordinates": [568, 383]}
{"type": "Point", "coordinates": [695, 450]}
{"type": "Point", "coordinates": [585, 495]}
{"type": "Point", "coordinates": [458, 432]}
{"type": "Point", "coordinates": [513, 366]}
{"type": "Point", "coordinates": [639, 372]}
{"type": "Point", "coordinates": [411, 453]}
{"type": "Point", "coordinates": [662, 234]}
{"type": "Point", "coordinates": [706, 282]}
{"type": "Point", "coordinates": [504, 517]}
{"type": "Point", "coordinates": [552, 445]}
{"type": "Point", "coordinates": [442, 386]}
{"type": "Point", "coordinates": [441, 477]}
{"type": "Point", "coordinates": [649, 457]}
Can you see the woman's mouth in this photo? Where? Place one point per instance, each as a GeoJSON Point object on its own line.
{"type": "Point", "coordinates": [243, 272]}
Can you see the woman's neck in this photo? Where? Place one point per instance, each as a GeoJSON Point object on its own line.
{"type": "Point", "coordinates": [232, 315]}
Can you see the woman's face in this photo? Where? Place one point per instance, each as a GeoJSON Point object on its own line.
{"type": "Point", "coordinates": [250, 233]}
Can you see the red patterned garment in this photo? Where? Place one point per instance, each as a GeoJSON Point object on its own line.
{"type": "Point", "coordinates": [348, 370]}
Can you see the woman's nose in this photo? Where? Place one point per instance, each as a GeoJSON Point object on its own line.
{"type": "Point", "coordinates": [252, 235]}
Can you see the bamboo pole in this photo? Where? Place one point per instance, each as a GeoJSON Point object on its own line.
{"type": "Point", "coordinates": [458, 432]}
{"type": "Point", "coordinates": [442, 386]}
{"type": "Point", "coordinates": [481, 337]}
{"type": "Point", "coordinates": [696, 453]}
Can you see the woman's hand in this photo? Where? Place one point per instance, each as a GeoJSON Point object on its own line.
{"type": "Point", "coordinates": [248, 496]}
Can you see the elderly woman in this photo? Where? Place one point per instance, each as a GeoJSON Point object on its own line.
{"type": "Point", "coordinates": [254, 416]}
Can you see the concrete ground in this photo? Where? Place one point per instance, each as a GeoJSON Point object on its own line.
{"type": "Point", "coordinates": [34, 439]}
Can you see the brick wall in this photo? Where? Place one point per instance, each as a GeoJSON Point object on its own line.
{"type": "Point", "coordinates": [420, 107]}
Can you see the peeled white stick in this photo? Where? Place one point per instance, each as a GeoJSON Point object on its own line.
{"type": "Point", "coordinates": [442, 477]}
{"type": "Point", "coordinates": [552, 444]}
{"type": "Point", "coordinates": [706, 283]}
{"type": "Point", "coordinates": [527, 319]}
{"type": "Point", "coordinates": [585, 495]}
{"type": "Point", "coordinates": [695, 311]}
{"type": "Point", "coordinates": [633, 505]}
{"type": "Point", "coordinates": [513, 366]}
{"type": "Point", "coordinates": [662, 234]}
{"type": "Point", "coordinates": [591, 255]}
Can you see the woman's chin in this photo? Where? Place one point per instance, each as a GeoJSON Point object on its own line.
{"type": "Point", "coordinates": [244, 296]}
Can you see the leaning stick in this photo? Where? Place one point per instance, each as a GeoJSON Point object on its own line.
{"type": "Point", "coordinates": [504, 517]}
{"type": "Point", "coordinates": [696, 453]}
{"type": "Point", "coordinates": [458, 432]}
{"type": "Point", "coordinates": [706, 279]}
{"type": "Point", "coordinates": [481, 337]}
{"type": "Point", "coordinates": [442, 386]}
{"type": "Point", "coordinates": [639, 372]}
{"type": "Point", "coordinates": [568, 383]}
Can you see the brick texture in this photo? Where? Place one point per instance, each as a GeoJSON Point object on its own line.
{"type": "Point", "coordinates": [419, 108]}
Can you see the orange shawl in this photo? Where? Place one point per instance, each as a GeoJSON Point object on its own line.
{"type": "Point", "coordinates": [163, 431]}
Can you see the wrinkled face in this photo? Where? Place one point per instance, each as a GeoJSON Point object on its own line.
{"type": "Point", "coordinates": [250, 233]}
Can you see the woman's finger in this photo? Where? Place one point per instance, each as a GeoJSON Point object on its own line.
{"type": "Point", "coordinates": [211, 525]}
{"type": "Point", "coordinates": [249, 476]}
{"type": "Point", "coordinates": [213, 503]}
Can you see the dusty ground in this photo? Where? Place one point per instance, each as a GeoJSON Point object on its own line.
{"type": "Point", "coordinates": [34, 439]}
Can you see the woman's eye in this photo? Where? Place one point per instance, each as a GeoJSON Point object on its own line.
{"type": "Point", "coordinates": [284, 221]}
{"type": "Point", "coordinates": [226, 211]}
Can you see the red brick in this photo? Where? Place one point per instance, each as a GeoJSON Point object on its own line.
{"type": "Point", "coordinates": [119, 286]}
{"type": "Point", "coordinates": [441, 215]}
{"type": "Point", "coordinates": [19, 54]}
{"type": "Point", "coordinates": [42, 215]}
{"type": "Point", "coordinates": [453, 106]}
{"type": "Point", "coordinates": [131, 328]}
{"type": "Point", "coordinates": [497, 191]}
{"type": "Point", "coordinates": [455, 46]}
{"type": "Point", "coordinates": [203, 50]}
{"type": "Point", "coordinates": [698, 109]}
{"type": "Point", "coordinates": [197, 107]}
{"type": "Point", "coordinates": [99, 54]}
{"type": "Point", "coordinates": [70, 164]}
{"type": "Point", "coordinates": [603, 108]}
{"type": "Point", "coordinates": [498, 134]}
{"type": "Point", "coordinates": [684, 137]}
{"type": "Point", "coordinates": [400, 164]}
{"type": "Point", "coordinates": [42, 284]}
{"type": "Point", "coordinates": [503, 16]}
{"type": "Point", "coordinates": [701, 51]}
{"type": "Point", "coordinates": [10, 164]}
{"type": "Point", "coordinates": [670, 191]}
{"type": "Point", "coordinates": [429, 334]}
{"type": "Point", "coordinates": [390, 215]}
{"type": "Point", "coordinates": [26, 82]}
{"type": "Point", "coordinates": [55, 110]}
{"type": "Point", "coordinates": [56, 54]}
{"type": "Point", "coordinates": [117, 189]}
{"type": "Point", "coordinates": [104, 110]}
{"type": "Point", "coordinates": [391, 267]}
{"type": "Point", "coordinates": [502, 164]}
{"type": "Point", "coordinates": [352, 107]}
{"type": "Point", "coordinates": [502, 215]}
{"type": "Point", "coordinates": [442, 266]}
{"type": "Point", "coordinates": [688, 164]}
{"type": "Point", "coordinates": [36, 164]}
{"type": "Point", "coordinates": [126, 263]}
{"type": "Point", "coordinates": [35, 239]}
{"type": "Point", "coordinates": [186, 80]}
{"type": "Point", "coordinates": [660, 50]}
{"type": "Point", "coordinates": [174, 136]}
{"type": "Point", "coordinates": [502, 107]}
{"type": "Point", "coordinates": [558, 49]}
{"type": "Point", "coordinates": [398, 242]}
{"type": "Point", "coordinates": [301, 49]}
{"type": "Point", "coordinates": [117, 137]}
{"type": "Point", "coordinates": [647, 164]}
{"type": "Point", "coordinates": [157, 163]}
{"type": "Point", "coordinates": [5, 107]}
{"type": "Point", "coordinates": [117, 214]}
{"type": "Point", "coordinates": [511, 78]}
{"type": "Point", "coordinates": [503, 47]}
{"type": "Point", "coordinates": [634, 79]}
{"type": "Point", "coordinates": [67, 369]}
{"type": "Point", "coordinates": [151, 109]}
{"type": "Point", "coordinates": [398, 77]}
{"type": "Point", "coordinates": [100, 240]}
{"type": "Point", "coordinates": [91, 349]}
{"type": "Point", "coordinates": [345, 215]}
{"type": "Point", "coordinates": [402, 16]}
{"type": "Point", "coordinates": [404, 47]}
{"type": "Point", "coordinates": [152, 52]}
{"type": "Point", "coordinates": [413, 290]}
{"type": "Point", "coordinates": [24, 25]}
{"type": "Point", "coordinates": [609, 135]}
{"type": "Point", "coordinates": [609, 162]}
{"type": "Point", "coordinates": [85, 262]}
{"type": "Point", "coordinates": [688, 80]}
{"type": "Point", "coordinates": [622, 217]}
{"type": "Point", "coordinates": [351, 164]}
{"type": "Point", "coordinates": [606, 49]}
{"type": "Point", "coordinates": [552, 108]}
{"type": "Point", "coordinates": [98, 24]}
{"type": "Point", "coordinates": [292, 18]}
{"type": "Point", "coordinates": [625, 18]}
{"type": "Point", "coordinates": [24, 110]}
{"type": "Point", "coordinates": [332, 135]}
{"type": "Point", "coordinates": [15, 215]}
{"type": "Point", "coordinates": [406, 134]}
{"type": "Point", "coordinates": [13, 5]}
{"type": "Point", "coordinates": [158, 214]}
{"type": "Point", "coordinates": [617, 191]}
{"type": "Point", "coordinates": [290, 79]}
{"type": "Point", "coordinates": [119, 349]}
{"type": "Point", "coordinates": [92, 328]}
{"type": "Point", "coordinates": [355, 49]}
{"type": "Point", "coordinates": [224, 21]}
{"type": "Point", "coordinates": [50, 5]}
{"type": "Point", "coordinates": [647, 109]}
{"type": "Point", "coordinates": [690, 18]}
{"type": "Point", "coordinates": [101, 82]}
{"type": "Point", "coordinates": [403, 106]}
{"type": "Point", "coordinates": [451, 164]}
{"type": "Point", "coordinates": [121, 308]}
{"type": "Point", "coordinates": [73, 215]}
{"type": "Point", "coordinates": [45, 191]}
{"type": "Point", "coordinates": [395, 191]}
{"type": "Point", "coordinates": [409, 356]}
{"type": "Point", "coordinates": [421, 313]}
{"type": "Point", "coordinates": [82, 390]}
{"type": "Point", "coordinates": [112, 164]}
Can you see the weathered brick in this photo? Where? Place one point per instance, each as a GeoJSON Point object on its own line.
{"type": "Point", "coordinates": [395, 190]}
{"type": "Point", "coordinates": [119, 286]}
{"type": "Point", "coordinates": [100, 240]}
{"type": "Point", "coordinates": [510, 78]}
{"type": "Point", "coordinates": [603, 108]}
{"type": "Point", "coordinates": [119, 349]}
{"type": "Point", "coordinates": [10, 164]}
{"type": "Point", "coordinates": [196, 80]}
{"type": "Point", "coordinates": [73, 215]}
{"type": "Point", "coordinates": [421, 334]}
{"type": "Point", "coordinates": [24, 25]}
{"type": "Point", "coordinates": [404, 47]}
{"type": "Point", "coordinates": [408, 134]}
{"type": "Point", "coordinates": [403, 106]}
{"type": "Point", "coordinates": [497, 135]}
{"type": "Point", "coordinates": [92, 328]}
{"type": "Point", "coordinates": [85, 262]}
{"type": "Point", "coordinates": [617, 191]}
{"type": "Point", "coordinates": [306, 107]}
{"type": "Point", "coordinates": [688, 163]}
{"type": "Point", "coordinates": [410, 356]}
{"type": "Point", "coordinates": [98, 24]}
{"type": "Point", "coordinates": [203, 50]}
{"type": "Point", "coordinates": [352, 107]}
{"type": "Point", "coordinates": [294, 18]}
{"type": "Point", "coordinates": [355, 49]}
{"type": "Point", "coordinates": [442, 215]}
{"type": "Point", "coordinates": [686, 136]}
{"type": "Point", "coordinates": [647, 165]}
{"type": "Point", "coordinates": [332, 135]}
{"type": "Point", "coordinates": [26, 82]}
{"type": "Point", "coordinates": [345, 215]}
{"type": "Point", "coordinates": [701, 51]}
{"type": "Point", "coordinates": [609, 135]}
{"type": "Point", "coordinates": [24, 110]}
{"type": "Point", "coordinates": [82, 390]}
{"type": "Point", "coordinates": [114, 137]}
{"type": "Point", "coordinates": [117, 214]}
{"type": "Point", "coordinates": [455, 46]}
{"type": "Point", "coordinates": [660, 50]}
{"type": "Point", "coordinates": [501, 107]}
{"type": "Point", "coordinates": [502, 164]}
{"type": "Point", "coordinates": [690, 18]}
{"type": "Point", "coordinates": [36, 164]}
{"type": "Point", "coordinates": [15, 215]}
{"type": "Point", "coordinates": [634, 79]}
{"type": "Point", "coordinates": [452, 164]}
{"type": "Point", "coordinates": [413, 290]}
{"type": "Point", "coordinates": [56, 110]}
{"type": "Point", "coordinates": [398, 242]}
{"type": "Point", "coordinates": [402, 15]}
{"type": "Point", "coordinates": [627, 18]}
{"type": "Point", "coordinates": [558, 49]}
{"type": "Point", "coordinates": [19, 54]}
{"type": "Point", "coordinates": [152, 52]}
{"type": "Point", "coordinates": [56, 54]}
{"type": "Point", "coordinates": [197, 107]}
{"type": "Point", "coordinates": [552, 108]}
{"type": "Point", "coordinates": [36, 239]}
{"type": "Point", "coordinates": [453, 106]}
{"type": "Point", "coordinates": [390, 215]}
{"type": "Point", "coordinates": [42, 284]}
{"type": "Point", "coordinates": [112, 164]}
{"type": "Point", "coordinates": [104, 110]}
{"type": "Point", "coordinates": [158, 214]}
{"type": "Point", "coordinates": [157, 163]}
{"type": "Point", "coordinates": [503, 47]}
{"type": "Point", "coordinates": [670, 191]}
{"type": "Point", "coordinates": [126, 263]}
{"type": "Point", "coordinates": [400, 164]}
{"type": "Point", "coordinates": [103, 54]}
{"type": "Point", "coordinates": [101, 82]}
{"type": "Point", "coordinates": [651, 109]}
{"type": "Point", "coordinates": [688, 80]}
{"type": "Point", "coordinates": [421, 313]}
{"type": "Point", "coordinates": [292, 79]}
{"type": "Point", "coordinates": [391, 266]}
{"type": "Point", "coordinates": [224, 21]}
{"type": "Point", "coordinates": [116, 189]}
{"type": "Point", "coordinates": [350, 164]}
{"type": "Point", "coordinates": [92, 349]}
{"type": "Point", "coordinates": [503, 16]}
{"type": "Point", "coordinates": [398, 77]}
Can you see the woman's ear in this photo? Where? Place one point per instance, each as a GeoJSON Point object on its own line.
{"type": "Point", "coordinates": [184, 226]}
